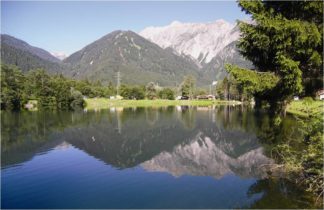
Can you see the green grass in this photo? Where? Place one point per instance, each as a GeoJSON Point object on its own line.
{"type": "Point", "coordinates": [102, 103]}
{"type": "Point", "coordinates": [300, 109]}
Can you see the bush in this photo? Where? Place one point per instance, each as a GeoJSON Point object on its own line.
{"type": "Point", "coordinates": [166, 93]}
{"type": "Point", "coordinates": [132, 92]}
{"type": "Point", "coordinates": [77, 100]}
{"type": "Point", "coordinates": [151, 91]}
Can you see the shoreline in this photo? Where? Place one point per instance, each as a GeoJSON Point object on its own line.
{"type": "Point", "coordinates": [103, 103]}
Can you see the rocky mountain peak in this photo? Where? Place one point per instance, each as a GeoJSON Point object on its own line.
{"type": "Point", "coordinates": [201, 41]}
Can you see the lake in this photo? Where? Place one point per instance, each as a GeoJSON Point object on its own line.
{"type": "Point", "coordinates": [170, 157]}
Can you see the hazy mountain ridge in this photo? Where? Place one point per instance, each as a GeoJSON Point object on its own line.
{"type": "Point", "coordinates": [27, 57]}
{"type": "Point", "coordinates": [22, 45]}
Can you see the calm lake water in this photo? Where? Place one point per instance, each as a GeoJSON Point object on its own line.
{"type": "Point", "coordinates": [174, 157]}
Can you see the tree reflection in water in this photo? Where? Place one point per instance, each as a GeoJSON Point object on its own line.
{"type": "Point", "coordinates": [199, 141]}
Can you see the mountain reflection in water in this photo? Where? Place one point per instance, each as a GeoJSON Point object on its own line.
{"type": "Point", "coordinates": [217, 142]}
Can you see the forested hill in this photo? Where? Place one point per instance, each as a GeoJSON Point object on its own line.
{"type": "Point", "coordinates": [27, 57]}
{"type": "Point", "coordinates": [138, 60]}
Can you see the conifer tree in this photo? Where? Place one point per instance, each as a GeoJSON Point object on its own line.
{"type": "Point", "coordinates": [286, 39]}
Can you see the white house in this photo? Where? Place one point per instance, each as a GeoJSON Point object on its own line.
{"type": "Point", "coordinates": [320, 94]}
{"type": "Point", "coordinates": [296, 98]}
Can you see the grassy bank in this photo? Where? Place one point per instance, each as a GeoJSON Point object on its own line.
{"type": "Point", "coordinates": [299, 108]}
{"type": "Point", "coordinates": [102, 103]}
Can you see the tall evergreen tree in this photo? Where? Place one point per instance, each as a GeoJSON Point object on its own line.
{"type": "Point", "coordinates": [286, 39]}
{"type": "Point", "coordinates": [188, 86]}
{"type": "Point", "coordinates": [151, 91]}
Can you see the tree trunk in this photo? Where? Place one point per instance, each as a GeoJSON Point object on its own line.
{"type": "Point", "coordinates": [278, 108]}
{"type": "Point", "coordinates": [258, 103]}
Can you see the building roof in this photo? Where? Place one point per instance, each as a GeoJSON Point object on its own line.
{"type": "Point", "coordinates": [320, 92]}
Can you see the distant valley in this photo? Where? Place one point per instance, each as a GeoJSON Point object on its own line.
{"type": "Point", "coordinates": [160, 54]}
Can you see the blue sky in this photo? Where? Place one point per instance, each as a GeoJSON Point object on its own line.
{"type": "Point", "coordinates": [69, 26]}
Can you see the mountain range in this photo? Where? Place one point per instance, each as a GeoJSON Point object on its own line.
{"type": "Point", "coordinates": [159, 54]}
{"type": "Point", "coordinates": [26, 57]}
{"type": "Point", "coordinates": [138, 60]}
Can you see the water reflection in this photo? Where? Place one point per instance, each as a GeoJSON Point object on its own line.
{"type": "Point", "coordinates": [203, 157]}
{"type": "Point", "coordinates": [218, 142]}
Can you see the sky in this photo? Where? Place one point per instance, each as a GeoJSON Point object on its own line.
{"type": "Point", "coordinates": [68, 26]}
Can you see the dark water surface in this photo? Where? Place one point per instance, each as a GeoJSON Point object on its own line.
{"type": "Point", "coordinates": [175, 157]}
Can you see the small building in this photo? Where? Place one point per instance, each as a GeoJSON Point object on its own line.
{"type": "Point", "coordinates": [202, 97]}
{"type": "Point", "coordinates": [211, 97]}
{"type": "Point", "coordinates": [205, 97]}
{"type": "Point", "coordinates": [117, 97]}
{"type": "Point", "coordinates": [184, 98]}
{"type": "Point", "coordinates": [296, 98]}
{"type": "Point", "coordinates": [320, 94]}
{"type": "Point", "coordinates": [31, 105]}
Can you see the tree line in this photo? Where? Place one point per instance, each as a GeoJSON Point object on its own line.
{"type": "Point", "coordinates": [54, 92]}
{"type": "Point", "coordinates": [58, 92]}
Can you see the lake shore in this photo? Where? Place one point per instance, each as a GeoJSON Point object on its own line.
{"type": "Point", "coordinates": [295, 107]}
{"type": "Point", "coordinates": [102, 103]}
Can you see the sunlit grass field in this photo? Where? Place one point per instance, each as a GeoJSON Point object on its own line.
{"type": "Point", "coordinates": [101, 103]}
{"type": "Point", "coordinates": [301, 109]}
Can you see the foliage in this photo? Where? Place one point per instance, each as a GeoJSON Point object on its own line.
{"type": "Point", "coordinates": [136, 92]}
{"type": "Point", "coordinates": [285, 38]}
{"type": "Point", "coordinates": [307, 101]}
{"type": "Point", "coordinates": [188, 86]}
{"type": "Point", "coordinates": [200, 91]}
{"type": "Point", "coordinates": [306, 107]}
{"type": "Point", "coordinates": [166, 93]}
{"type": "Point", "coordinates": [309, 160]}
{"type": "Point", "coordinates": [76, 99]}
{"type": "Point", "coordinates": [312, 157]}
{"type": "Point", "coordinates": [151, 90]}
{"type": "Point", "coordinates": [254, 83]}
{"type": "Point", "coordinates": [230, 89]}
{"type": "Point", "coordinates": [12, 88]}
{"type": "Point", "coordinates": [54, 92]}
{"type": "Point", "coordinates": [297, 144]}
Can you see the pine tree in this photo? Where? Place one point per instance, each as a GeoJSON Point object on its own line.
{"type": "Point", "coordinates": [284, 38]}
{"type": "Point", "coordinates": [151, 92]}
{"type": "Point", "coordinates": [188, 86]}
